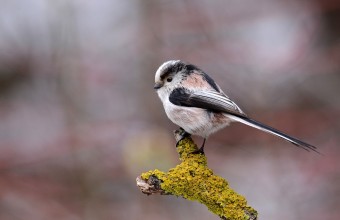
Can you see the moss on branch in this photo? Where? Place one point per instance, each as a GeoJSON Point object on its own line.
{"type": "Point", "coordinates": [193, 180]}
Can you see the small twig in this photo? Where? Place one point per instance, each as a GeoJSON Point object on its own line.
{"type": "Point", "coordinates": [193, 180]}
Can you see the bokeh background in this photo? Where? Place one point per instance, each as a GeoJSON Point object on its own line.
{"type": "Point", "coordinates": [79, 119]}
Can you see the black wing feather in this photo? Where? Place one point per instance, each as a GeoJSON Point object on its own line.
{"type": "Point", "coordinates": [211, 101]}
{"type": "Point", "coordinates": [217, 102]}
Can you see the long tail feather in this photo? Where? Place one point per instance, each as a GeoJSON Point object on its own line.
{"type": "Point", "coordinates": [268, 129]}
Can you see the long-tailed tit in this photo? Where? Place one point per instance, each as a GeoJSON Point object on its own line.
{"type": "Point", "coordinates": [193, 101]}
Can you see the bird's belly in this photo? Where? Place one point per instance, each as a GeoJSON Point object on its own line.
{"type": "Point", "coordinates": [197, 121]}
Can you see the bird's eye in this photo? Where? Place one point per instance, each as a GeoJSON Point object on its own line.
{"type": "Point", "coordinates": [169, 79]}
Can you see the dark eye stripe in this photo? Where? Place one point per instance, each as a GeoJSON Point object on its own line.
{"type": "Point", "coordinates": [179, 66]}
{"type": "Point", "coordinates": [172, 69]}
{"type": "Point", "coordinates": [165, 73]}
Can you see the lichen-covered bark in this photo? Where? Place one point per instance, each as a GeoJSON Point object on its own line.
{"type": "Point", "coordinates": [193, 180]}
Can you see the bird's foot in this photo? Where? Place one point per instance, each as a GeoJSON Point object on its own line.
{"type": "Point", "coordinates": [201, 149]}
{"type": "Point", "coordinates": [198, 151]}
{"type": "Point", "coordinates": [182, 134]}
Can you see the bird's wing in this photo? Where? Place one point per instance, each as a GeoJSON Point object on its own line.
{"type": "Point", "coordinates": [218, 102]}
{"type": "Point", "coordinates": [210, 100]}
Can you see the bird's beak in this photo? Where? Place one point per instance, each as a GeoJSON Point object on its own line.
{"type": "Point", "coordinates": [157, 85]}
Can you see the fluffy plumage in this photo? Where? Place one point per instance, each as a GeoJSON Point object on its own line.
{"type": "Point", "coordinates": [193, 100]}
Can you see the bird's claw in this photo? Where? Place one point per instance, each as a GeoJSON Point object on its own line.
{"type": "Point", "coordinates": [181, 134]}
{"type": "Point", "coordinates": [199, 151]}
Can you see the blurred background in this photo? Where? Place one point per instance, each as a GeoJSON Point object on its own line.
{"type": "Point", "coordinates": [79, 119]}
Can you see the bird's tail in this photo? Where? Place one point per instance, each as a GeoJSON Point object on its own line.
{"type": "Point", "coordinates": [273, 131]}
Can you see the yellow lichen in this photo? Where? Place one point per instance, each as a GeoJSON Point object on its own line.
{"type": "Point", "coordinates": [193, 180]}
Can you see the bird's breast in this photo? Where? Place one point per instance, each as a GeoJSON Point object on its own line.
{"type": "Point", "coordinates": [196, 121]}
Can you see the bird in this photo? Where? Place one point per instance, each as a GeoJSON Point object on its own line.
{"type": "Point", "coordinates": [195, 102]}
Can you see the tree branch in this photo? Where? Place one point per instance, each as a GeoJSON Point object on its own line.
{"type": "Point", "coordinates": [193, 180]}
